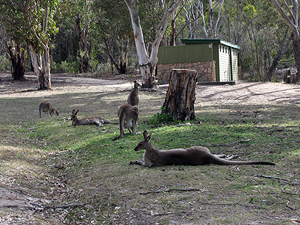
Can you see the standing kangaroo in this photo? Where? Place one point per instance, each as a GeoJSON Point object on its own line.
{"type": "Point", "coordinates": [128, 116]}
{"type": "Point", "coordinates": [96, 120]}
{"type": "Point", "coordinates": [133, 98]}
{"type": "Point", "coordinates": [195, 155]}
{"type": "Point", "coordinates": [46, 107]}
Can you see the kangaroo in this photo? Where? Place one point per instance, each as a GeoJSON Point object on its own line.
{"type": "Point", "coordinates": [133, 98]}
{"type": "Point", "coordinates": [128, 116]}
{"type": "Point", "coordinates": [96, 120]}
{"type": "Point", "coordinates": [46, 107]}
{"type": "Point", "coordinates": [195, 155]}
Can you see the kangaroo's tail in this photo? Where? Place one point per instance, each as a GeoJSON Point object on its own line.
{"type": "Point", "coordinates": [227, 162]}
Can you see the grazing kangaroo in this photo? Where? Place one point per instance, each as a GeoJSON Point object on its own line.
{"type": "Point", "coordinates": [195, 155]}
{"type": "Point", "coordinates": [128, 116]}
{"type": "Point", "coordinates": [96, 120]}
{"type": "Point", "coordinates": [133, 98]}
{"type": "Point", "coordinates": [46, 107]}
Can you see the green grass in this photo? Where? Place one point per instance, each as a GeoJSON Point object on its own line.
{"type": "Point", "coordinates": [67, 164]}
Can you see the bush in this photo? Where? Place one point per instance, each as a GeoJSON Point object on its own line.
{"type": "Point", "coordinates": [69, 67]}
{"type": "Point", "coordinates": [5, 65]}
{"type": "Point", "coordinates": [162, 118]}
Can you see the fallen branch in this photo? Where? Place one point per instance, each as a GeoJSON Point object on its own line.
{"type": "Point", "coordinates": [72, 205]}
{"type": "Point", "coordinates": [287, 205]}
{"type": "Point", "coordinates": [169, 190]}
{"type": "Point", "coordinates": [36, 207]}
{"type": "Point", "coordinates": [161, 214]}
{"type": "Point", "coordinates": [231, 204]}
{"type": "Point", "coordinates": [270, 177]}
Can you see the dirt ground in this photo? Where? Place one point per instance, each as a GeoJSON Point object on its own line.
{"type": "Point", "coordinates": [241, 93]}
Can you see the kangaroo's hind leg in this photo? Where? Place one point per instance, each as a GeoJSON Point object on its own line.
{"type": "Point", "coordinates": [229, 157]}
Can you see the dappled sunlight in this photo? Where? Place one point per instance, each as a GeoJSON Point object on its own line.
{"type": "Point", "coordinates": [255, 93]}
{"type": "Point", "coordinates": [67, 164]}
{"type": "Point", "coordinates": [21, 166]}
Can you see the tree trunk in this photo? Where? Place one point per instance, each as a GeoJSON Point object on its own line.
{"type": "Point", "coordinates": [123, 57]}
{"type": "Point", "coordinates": [41, 66]}
{"type": "Point", "coordinates": [282, 49]}
{"type": "Point", "coordinates": [173, 30]}
{"type": "Point", "coordinates": [148, 64]}
{"type": "Point", "coordinates": [296, 48]}
{"type": "Point", "coordinates": [112, 59]}
{"type": "Point", "coordinates": [17, 58]}
{"type": "Point", "coordinates": [77, 21]}
{"type": "Point", "coordinates": [180, 98]}
{"type": "Point", "coordinates": [83, 43]}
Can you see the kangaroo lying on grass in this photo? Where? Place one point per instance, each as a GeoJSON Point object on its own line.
{"type": "Point", "coordinates": [96, 120]}
{"type": "Point", "coordinates": [195, 155]}
{"type": "Point", "coordinates": [46, 107]}
{"type": "Point", "coordinates": [133, 98]}
{"type": "Point", "coordinates": [128, 116]}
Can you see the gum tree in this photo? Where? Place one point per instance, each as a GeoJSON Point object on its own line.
{"type": "Point", "coordinates": [32, 22]}
{"type": "Point", "coordinates": [147, 63]}
{"type": "Point", "coordinates": [289, 13]}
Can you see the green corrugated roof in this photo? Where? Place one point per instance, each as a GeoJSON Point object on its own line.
{"type": "Point", "coordinates": [208, 41]}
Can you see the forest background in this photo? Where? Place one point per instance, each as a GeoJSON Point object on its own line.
{"type": "Point", "coordinates": [96, 36]}
{"type": "Point", "coordinates": [77, 175]}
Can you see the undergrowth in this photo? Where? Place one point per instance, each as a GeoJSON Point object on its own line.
{"type": "Point", "coordinates": [162, 118]}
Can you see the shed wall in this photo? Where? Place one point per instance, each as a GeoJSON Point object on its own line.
{"type": "Point", "coordinates": [206, 71]}
{"type": "Point", "coordinates": [225, 64]}
{"type": "Point", "coordinates": [223, 59]}
{"type": "Point", "coordinates": [185, 54]}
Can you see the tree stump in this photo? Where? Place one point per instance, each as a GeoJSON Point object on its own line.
{"type": "Point", "coordinates": [180, 98]}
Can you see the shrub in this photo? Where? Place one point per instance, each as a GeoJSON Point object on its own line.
{"type": "Point", "coordinates": [162, 118]}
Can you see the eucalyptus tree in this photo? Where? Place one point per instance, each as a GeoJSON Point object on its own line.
{"type": "Point", "coordinates": [255, 26]}
{"type": "Point", "coordinates": [112, 24]}
{"type": "Point", "coordinates": [16, 48]}
{"type": "Point", "coordinates": [82, 20]}
{"type": "Point", "coordinates": [3, 39]}
{"type": "Point", "coordinates": [289, 13]}
{"type": "Point", "coordinates": [32, 22]}
{"type": "Point", "coordinates": [147, 63]}
{"type": "Point", "coordinates": [203, 18]}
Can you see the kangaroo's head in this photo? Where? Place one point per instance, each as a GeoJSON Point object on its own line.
{"type": "Point", "coordinates": [145, 143]}
{"type": "Point", "coordinates": [55, 111]}
{"type": "Point", "coordinates": [136, 84]}
{"type": "Point", "coordinates": [74, 115]}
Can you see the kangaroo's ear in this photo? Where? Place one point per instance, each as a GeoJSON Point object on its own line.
{"type": "Point", "coordinates": [73, 111]}
{"type": "Point", "coordinates": [76, 112]}
{"type": "Point", "coordinates": [149, 137]}
{"type": "Point", "coordinates": [145, 133]}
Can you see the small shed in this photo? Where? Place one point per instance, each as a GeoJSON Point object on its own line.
{"type": "Point", "coordinates": [214, 59]}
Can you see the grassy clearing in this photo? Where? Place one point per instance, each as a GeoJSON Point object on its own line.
{"type": "Point", "coordinates": [65, 164]}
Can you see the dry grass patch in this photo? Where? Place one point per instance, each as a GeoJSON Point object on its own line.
{"type": "Point", "coordinates": [61, 164]}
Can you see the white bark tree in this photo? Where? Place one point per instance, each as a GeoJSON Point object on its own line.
{"type": "Point", "coordinates": [289, 13]}
{"type": "Point", "coordinates": [42, 26]}
{"type": "Point", "coordinates": [195, 10]}
{"type": "Point", "coordinates": [148, 63]}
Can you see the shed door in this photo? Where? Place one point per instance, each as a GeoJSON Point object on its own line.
{"type": "Point", "coordinates": [224, 57]}
{"type": "Point", "coordinates": [235, 70]}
